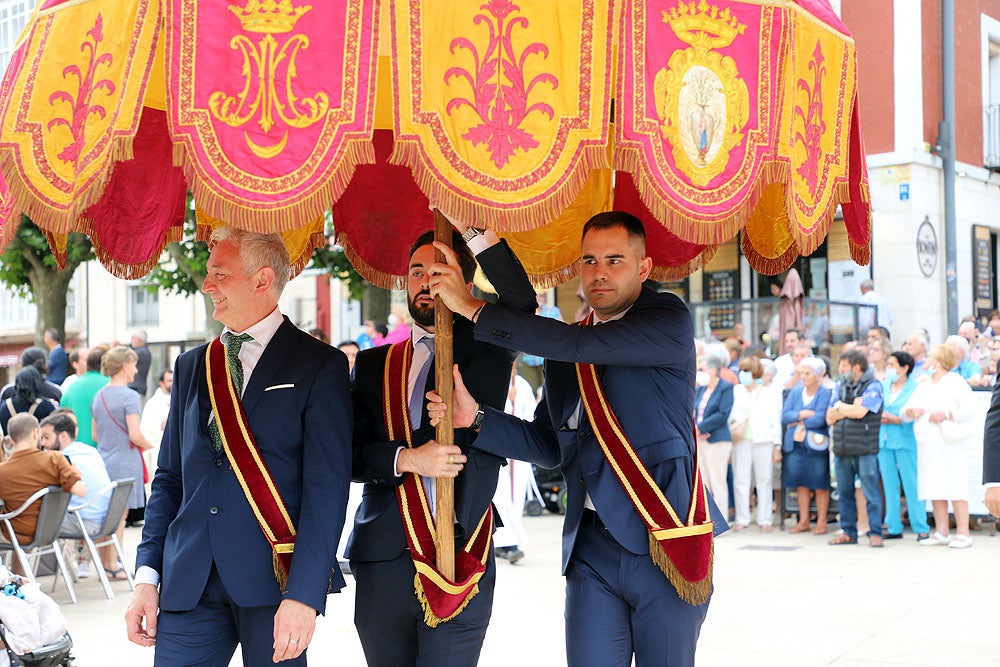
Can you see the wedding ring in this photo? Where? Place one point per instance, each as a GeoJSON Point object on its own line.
{"type": "Point", "coordinates": [449, 460]}
{"type": "Point", "coordinates": [293, 641]}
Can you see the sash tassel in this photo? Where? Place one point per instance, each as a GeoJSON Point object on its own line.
{"type": "Point", "coordinates": [692, 592]}
{"type": "Point", "coordinates": [440, 598]}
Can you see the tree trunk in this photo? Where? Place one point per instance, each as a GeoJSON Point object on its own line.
{"type": "Point", "coordinates": [49, 288]}
{"type": "Point", "coordinates": [375, 305]}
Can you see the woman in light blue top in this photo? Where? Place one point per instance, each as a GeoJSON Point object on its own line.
{"type": "Point", "coordinates": [897, 456]}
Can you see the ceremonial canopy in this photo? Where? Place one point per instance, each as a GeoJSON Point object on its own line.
{"type": "Point", "coordinates": [707, 119]}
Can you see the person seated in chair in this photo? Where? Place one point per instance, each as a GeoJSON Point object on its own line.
{"type": "Point", "coordinates": [59, 435]}
{"type": "Point", "coordinates": [28, 470]}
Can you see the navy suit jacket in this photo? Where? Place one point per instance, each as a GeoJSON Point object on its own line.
{"type": "Point", "coordinates": [378, 527]}
{"type": "Point", "coordinates": [297, 403]}
{"type": "Point", "coordinates": [991, 439]}
{"type": "Point", "coordinates": [646, 362]}
{"type": "Point", "coordinates": [715, 420]}
{"type": "Point", "coordinates": [58, 364]}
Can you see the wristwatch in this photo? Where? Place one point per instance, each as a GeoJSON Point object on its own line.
{"type": "Point", "coordinates": [472, 233]}
{"type": "Point", "coordinates": [478, 421]}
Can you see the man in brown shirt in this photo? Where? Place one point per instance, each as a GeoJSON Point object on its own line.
{"type": "Point", "coordinates": [29, 469]}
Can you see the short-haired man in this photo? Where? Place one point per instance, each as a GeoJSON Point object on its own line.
{"type": "Point", "coordinates": [855, 413]}
{"type": "Point", "coordinates": [58, 361]}
{"type": "Point", "coordinates": [874, 309]}
{"type": "Point", "coordinates": [616, 415]}
{"type": "Point", "coordinates": [81, 393]}
{"type": "Point", "coordinates": [29, 469]}
{"type": "Point", "coordinates": [404, 618]}
{"type": "Point", "coordinates": [247, 504]}
{"type": "Point", "coordinates": [139, 383]}
{"type": "Point", "coordinates": [58, 434]}
{"type": "Point", "coordinates": [916, 346]}
{"type": "Point", "coordinates": [784, 363]}
{"type": "Point", "coordinates": [351, 349]}
{"type": "Point", "coordinates": [78, 364]}
{"type": "Point", "coordinates": [154, 416]}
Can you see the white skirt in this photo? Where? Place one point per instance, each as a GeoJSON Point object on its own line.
{"type": "Point", "coordinates": [942, 471]}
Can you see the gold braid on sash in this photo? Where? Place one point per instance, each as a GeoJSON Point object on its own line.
{"type": "Point", "coordinates": [684, 538]}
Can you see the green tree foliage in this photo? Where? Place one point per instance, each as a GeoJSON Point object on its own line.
{"type": "Point", "coordinates": [184, 270]}
{"type": "Point", "coordinates": [28, 268]}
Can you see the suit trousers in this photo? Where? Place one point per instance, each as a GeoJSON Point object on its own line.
{"type": "Point", "coordinates": [390, 620]}
{"type": "Point", "coordinates": [207, 635]}
{"type": "Point", "coordinates": [619, 604]}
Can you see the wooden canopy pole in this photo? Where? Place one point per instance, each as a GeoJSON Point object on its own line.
{"type": "Point", "coordinates": [443, 356]}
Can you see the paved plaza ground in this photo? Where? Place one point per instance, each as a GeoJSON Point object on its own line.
{"type": "Point", "coordinates": [780, 600]}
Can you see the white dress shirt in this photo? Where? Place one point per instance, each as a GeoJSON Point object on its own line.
{"type": "Point", "coordinates": [250, 353]}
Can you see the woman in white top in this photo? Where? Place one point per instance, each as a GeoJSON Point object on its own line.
{"type": "Point", "coordinates": [757, 410]}
{"type": "Point", "coordinates": [941, 406]}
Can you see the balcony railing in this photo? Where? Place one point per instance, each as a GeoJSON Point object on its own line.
{"type": "Point", "coordinates": [991, 137]}
{"type": "Point", "coordinates": [823, 321]}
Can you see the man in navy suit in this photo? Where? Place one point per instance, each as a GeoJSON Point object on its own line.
{"type": "Point", "coordinates": [618, 601]}
{"type": "Point", "coordinates": [388, 614]}
{"type": "Point", "coordinates": [204, 562]}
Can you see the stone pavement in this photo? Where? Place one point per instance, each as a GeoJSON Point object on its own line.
{"type": "Point", "coordinates": [780, 600]}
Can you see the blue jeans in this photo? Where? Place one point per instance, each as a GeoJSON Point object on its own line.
{"type": "Point", "coordinates": [866, 468]}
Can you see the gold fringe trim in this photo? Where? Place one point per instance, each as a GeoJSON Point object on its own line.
{"type": "Point", "coordinates": [279, 572]}
{"type": "Point", "coordinates": [680, 271]}
{"type": "Point", "coordinates": [376, 277]}
{"type": "Point", "coordinates": [430, 618]}
{"type": "Point", "coordinates": [512, 218]}
{"type": "Point", "coordinates": [62, 219]}
{"type": "Point", "coordinates": [693, 592]}
{"type": "Point", "coordinates": [769, 266]}
{"type": "Point", "coordinates": [694, 228]}
{"type": "Point", "coordinates": [118, 268]}
{"type": "Point", "coordinates": [293, 212]}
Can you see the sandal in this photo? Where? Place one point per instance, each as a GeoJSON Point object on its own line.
{"type": "Point", "coordinates": [799, 528]}
{"type": "Point", "coordinates": [113, 574]}
{"type": "Point", "coordinates": [960, 541]}
{"type": "Point", "coordinates": [765, 529]}
{"type": "Point", "coordinates": [820, 529]}
{"type": "Point", "coordinates": [843, 538]}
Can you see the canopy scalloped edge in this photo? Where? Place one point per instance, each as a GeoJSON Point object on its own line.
{"type": "Point", "coordinates": [372, 275]}
{"type": "Point", "coordinates": [125, 271]}
{"type": "Point", "coordinates": [300, 254]}
{"type": "Point", "coordinates": [279, 219]}
{"type": "Point", "coordinates": [523, 217]}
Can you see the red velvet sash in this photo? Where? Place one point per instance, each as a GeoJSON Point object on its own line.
{"type": "Point", "coordinates": [684, 550]}
{"type": "Point", "coordinates": [251, 471]}
{"type": "Point", "coordinates": [441, 599]}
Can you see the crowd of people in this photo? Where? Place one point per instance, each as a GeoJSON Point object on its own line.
{"type": "Point", "coordinates": [88, 405]}
{"type": "Point", "coordinates": [880, 425]}
{"type": "Point", "coordinates": [266, 427]}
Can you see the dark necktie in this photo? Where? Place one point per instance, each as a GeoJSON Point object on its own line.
{"type": "Point", "coordinates": [233, 345]}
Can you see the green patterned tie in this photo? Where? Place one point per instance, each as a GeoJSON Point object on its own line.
{"type": "Point", "coordinates": [233, 345]}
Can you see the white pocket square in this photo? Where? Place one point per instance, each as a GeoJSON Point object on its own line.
{"type": "Point", "coordinates": [280, 386]}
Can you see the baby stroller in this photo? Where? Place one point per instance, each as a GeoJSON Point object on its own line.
{"type": "Point", "coordinates": [54, 655]}
{"type": "Point", "coordinates": [28, 617]}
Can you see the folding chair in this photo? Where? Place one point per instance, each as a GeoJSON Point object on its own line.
{"type": "Point", "coordinates": [119, 490]}
{"type": "Point", "coordinates": [55, 503]}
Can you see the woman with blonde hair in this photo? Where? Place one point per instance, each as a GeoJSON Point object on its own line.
{"type": "Point", "coordinates": [941, 408]}
{"type": "Point", "coordinates": [755, 425]}
{"type": "Point", "coordinates": [115, 411]}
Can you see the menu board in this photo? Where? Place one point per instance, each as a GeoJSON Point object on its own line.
{"type": "Point", "coordinates": [721, 286]}
{"type": "Point", "coordinates": [982, 268]}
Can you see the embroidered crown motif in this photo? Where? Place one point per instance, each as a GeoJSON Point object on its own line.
{"type": "Point", "coordinates": [702, 25]}
{"type": "Point", "coordinates": [269, 16]}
